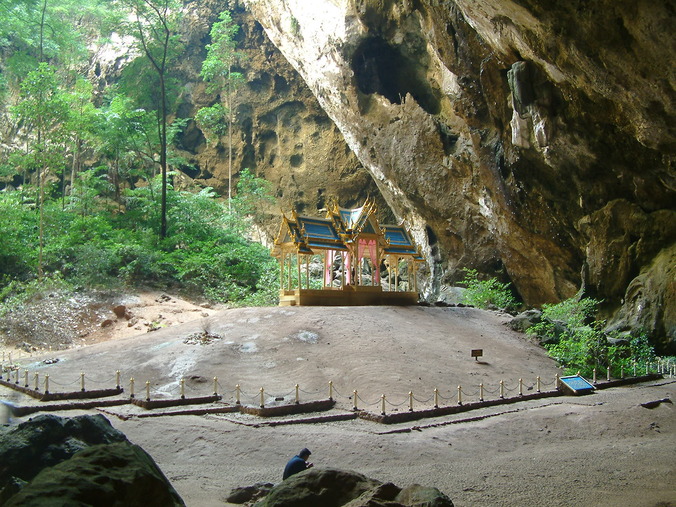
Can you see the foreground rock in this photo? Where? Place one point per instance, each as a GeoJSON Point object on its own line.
{"type": "Point", "coordinates": [50, 460]}
{"type": "Point", "coordinates": [342, 488]}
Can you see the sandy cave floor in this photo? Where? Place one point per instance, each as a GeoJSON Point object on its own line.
{"type": "Point", "coordinates": [602, 449]}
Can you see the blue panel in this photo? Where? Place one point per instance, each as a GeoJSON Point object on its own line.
{"type": "Point", "coordinates": [577, 383]}
{"type": "Point", "coordinates": [409, 251]}
{"type": "Point", "coordinates": [328, 246]}
{"type": "Point", "coordinates": [396, 237]}
{"type": "Point", "coordinates": [320, 230]}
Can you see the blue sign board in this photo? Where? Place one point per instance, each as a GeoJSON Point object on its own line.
{"type": "Point", "coordinates": [577, 384]}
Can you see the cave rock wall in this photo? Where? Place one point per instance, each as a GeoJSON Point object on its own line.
{"type": "Point", "coordinates": [280, 131]}
{"type": "Point", "coordinates": [534, 143]}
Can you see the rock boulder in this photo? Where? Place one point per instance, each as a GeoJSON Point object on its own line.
{"type": "Point", "coordinates": [50, 460]}
{"type": "Point", "coordinates": [341, 488]}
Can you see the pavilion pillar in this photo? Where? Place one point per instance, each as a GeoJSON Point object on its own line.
{"type": "Point", "coordinates": [288, 272]}
{"type": "Point", "coordinates": [325, 269]}
{"type": "Point", "coordinates": [307, 271]}
{"type": "Point", "coordinates": [281, 271]}
{"type": "Point", "coordinates": [377, 266]}
{"type": "Point", "coordinates": [342, 270]}
{"type": "Point", "coordinates": [298, 269]}
{"type": "Point", "coordinates": [415, 275]}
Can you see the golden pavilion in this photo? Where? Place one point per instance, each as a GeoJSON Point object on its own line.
{"type": "Point", "coordinates": [357, 254]}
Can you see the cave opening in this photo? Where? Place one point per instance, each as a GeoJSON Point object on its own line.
{"type": "Point", "coordinates": [382, 68]}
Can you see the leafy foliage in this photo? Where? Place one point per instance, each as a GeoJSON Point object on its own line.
{"type": "Point", "coordinates": [88, 246]}
{"type": "Point", "coordinates": [487, 293]}
{"type": "Point", "coordinates": [96, 224]}
{"type": "Point", "coordinates": [211, 121]}
{"type": "Point", "coordinates": [579, 342]}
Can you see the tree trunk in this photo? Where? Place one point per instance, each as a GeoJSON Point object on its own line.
{"type": "Point", "coordinates": [163, 158]}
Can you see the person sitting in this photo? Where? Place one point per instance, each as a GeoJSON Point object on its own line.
{"type": "Point", "coordinates": [297, 464]}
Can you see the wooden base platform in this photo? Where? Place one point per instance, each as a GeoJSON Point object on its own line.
{"type": "Point", "coordinates": [349, 296]}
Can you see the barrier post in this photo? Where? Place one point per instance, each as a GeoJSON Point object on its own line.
{"type": "Point", "coordinates": [16, 376]}
{"type": "Point", "coordinates": [621, 371]}
{"type": "Point", "coordinates": [117, 379]}
{"type": "Point", "coordinates": [647, 368]}
{"type": "Point", "coordinates": [262, 398]}
{"type": "Point", "coordinates": [46, 384]}
{"type": "Point", "coordinates": [215, 386]}
{"type": "Point", "coordinates": [634, 368]}
{"type": "Point", "coordinates": [459, 395]}
{"type": "Point", "coordinates": [330, 390]}
{"type": "Point", "coordinates": [410, 401]}
{"type": "Point", "coordinates": [131, 387]}
{"type": "Point", "coordinates": [520, 387]}
{"type": "Point", "coordinates": [502, 390]}
{"type": "Point", "coordinates": [237, 388]}
{"type": "Point", "coordinates": [354, 400]}
{"type": "Point", "coordinates": [183, 388]}
{"type": "Point", "coordinates": [382, 400]}
{"type": "Point", "coordinates": [147, 390]}
{"type": "Point", "coordinates": [82, 387]}
{"type": "Point", "coordinates": [594, 376]}
{"type": "Point", "coordinates": [557, 382]}
{"type": "Point", "coordinates": [25, 378]}
{"type": "Point", "coordinates": [436, 398]}
{"type": "Point", "coordinates": [537, 383]}
{"type": "Point", "coordinates": [35, 377]}
{"type": "Point", "coordinates": [481, 392]}
{"type": "Point", "coordinates": [297, 399]}
{"type": "Point", "coordinates": [608, 374]}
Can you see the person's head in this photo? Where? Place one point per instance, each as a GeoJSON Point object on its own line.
{"type": "Point", "coordinates": [305, 454]}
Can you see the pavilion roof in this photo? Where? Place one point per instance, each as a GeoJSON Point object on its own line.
{"type": "Point", "coordinates": [340, 228]}
{"type": "Point", "coordinates": [399, 242]}
{"type": "Point", "coordinates": [319, 233]}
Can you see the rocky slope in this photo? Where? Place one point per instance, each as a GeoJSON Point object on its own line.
{"type": "Point", "coordinates": [535, 143]}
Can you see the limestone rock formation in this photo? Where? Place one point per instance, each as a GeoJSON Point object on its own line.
{"type": "Point", "coordinates": [83, 460]}
{"type": "Point", "coordinates": [280, 133]}
{"type": "Point", "coordinates": [341, 488]}
{"type": "Point", "coordinates": [534, 143]}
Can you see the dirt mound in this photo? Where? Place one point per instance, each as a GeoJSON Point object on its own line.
{"type": "Point", "coordinates": [60, 319]}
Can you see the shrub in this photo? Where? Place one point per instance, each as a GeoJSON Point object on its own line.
{"type": "Point", "coordinates": [487, 293]}
{"type": "Point", "coordinates": [581, 344]}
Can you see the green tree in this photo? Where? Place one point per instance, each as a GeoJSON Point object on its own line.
{"type": "Point", "coordinates": [253, 193]}
{"type": "Point", "coordinates": [56, 31]}
{"type": "Point", "coordinates": [156, 29]}
{"type": "Point", "coordinates": [42, 109]}
{"type": "Point", "coordinates": [78, 127]}
{"type": "Point", "coordinates": [217, 71]}
{"type": "Point", "coordinates": [123, 140]}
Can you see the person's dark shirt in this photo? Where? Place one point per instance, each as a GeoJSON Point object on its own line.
{"type": "Point", "coordinates": [295, 465]}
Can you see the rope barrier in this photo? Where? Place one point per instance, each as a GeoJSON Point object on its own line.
{"type": "Point", "coordinates": [22, 376]}
{"type": "Point", "coordinates": [449, 397]}
{"type": "Point", "coordinates": [309, 392]}
{"type": "Point", "coordinates": [423, 401]}
{"type": "Point", "coordinates": [397, 404]}
{"type": "Point", "coordinates": [365, 403]}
